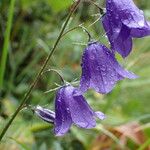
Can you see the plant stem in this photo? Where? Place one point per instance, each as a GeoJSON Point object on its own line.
{"type": "Point", "coordinates": [6, 42]}
{"type": "Point", "coordinates": [100, 8]}
{"type": "Point", "coordinates": [62, 79]}
{"type": "Point", "coordinates": [24, 100]}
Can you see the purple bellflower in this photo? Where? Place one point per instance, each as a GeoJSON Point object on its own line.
{"type": "Point", "coordinates": [122, 22]}
{"type": "Point", "coordinates": [100, 69]}
{"type": "Point", "coordinates": [69, 109]}
{"type": "Point", "coordinates": [73, 109]}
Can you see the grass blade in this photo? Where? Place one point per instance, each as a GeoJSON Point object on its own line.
{"type": "Point", "coordinates": [6, 42]}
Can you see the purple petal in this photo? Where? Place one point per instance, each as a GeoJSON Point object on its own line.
{"type": "Point", "coordinates": [120, 70]}
{"type": "Point", "coordinates": [81, 113]}
{"type": "Point", "coordinates": [123, 43]}
{"type": "Point", "coordinates": [107, 27]}
{"type": "Point", "coordinates": [128, 12]}
{"type": "Point", "coordinates": [63, 119]}
{"type": "Point", "coordinates": [141, 32]}
{"type": "Point", "coordinates": [112, 29]}
{"type": "Point", "coordinates": [85, 77]}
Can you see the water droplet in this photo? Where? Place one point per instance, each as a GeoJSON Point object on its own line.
{"type": "Point", "coordinates": [141, 12]}
{"type": "Point", "coordinates": [117, 16]}
{"type": "Point", "coordinates": [112, 74]}
{"type": "Point", "coordinates": [105, 82]}
{"type": "Point", "coordinates": [105, 36]}
{"type": "Point", "coordinates": [92, 57]}
{"type": "Point", "coordinates": [111, 82]}
{"type": "Point", "coordinates": [141, 23]}
{"type": "Point", "coordinates": [86, 84]}
{"type": "Point", "coordinates": [109, 1]}
{"type": "Point", "coordinates": [126, 21]}
{"type": "Point", "coordinates": [83, 124]}
{"type": "Point", "coordinates": [97, 68]}
{"type": "Point", "coordinates": [103, 68]}
{"type": "Point", "coordinates": [109, 69]}
{"type": "Point", "coordinates": [133, 13]}
{"type": "Point", "coordinates": [104, 73]}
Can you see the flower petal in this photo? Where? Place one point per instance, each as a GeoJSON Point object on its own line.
{"type": "Point", "coordinates": [63, 119]}
{"type": "Point", "coordinates": [128, 12]}
{"type": "Point", "coordinates": [141, 32]}
{"type": "Point", "coordinates": [81, 113]}
{"type": "Point", "coordinates": [120, 70]}
{"type": "Point", "coordinates": [85, 77]}
{"type": "Point", "coordinates": [123, 43]}
{"type": "Point", "coordinates": [112, 29]}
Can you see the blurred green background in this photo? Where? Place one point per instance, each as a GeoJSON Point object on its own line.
{"type": "Point", "coordinates": [35, 27]}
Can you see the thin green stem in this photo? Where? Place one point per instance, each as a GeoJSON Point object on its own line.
{"type": "Point", "coordinates": [77, 27]}
{"type": "Point", "coordinates": [6, 42]}
{"type": "Point", "coordinates": [72, 29]}
{"type": "Point", "coordinates": [24, 100]}
{"type": "Point", "coordinates": [62, 79]}
{"type": "Point", "coordinates": [100, 8]}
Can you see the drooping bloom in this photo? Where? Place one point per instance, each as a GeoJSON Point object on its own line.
{"type": "Point", "coordinates": [122, 22]}
{"type": "Point", "coordinates": [69, 109]}
{"type": "Point", "coordinates": [73, 109]}
{"type": "Point", "coordinates": [100, 69]}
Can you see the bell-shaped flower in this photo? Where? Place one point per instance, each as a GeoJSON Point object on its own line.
{"type": "Point", "coordinates": [100, 69]}
{"type": "Point", "coordinates": [70, 108]}
{"type": "Point", "coordinates": [122, 22]}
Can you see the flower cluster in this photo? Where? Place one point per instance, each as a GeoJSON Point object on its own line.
{"type": "Point", "coordinates": [100, 69]}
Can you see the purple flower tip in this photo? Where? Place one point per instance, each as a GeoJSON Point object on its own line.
{"type": "Point", "coordinates": [100, 70]}
{"type": "Point", "coordinates": [122, 22]}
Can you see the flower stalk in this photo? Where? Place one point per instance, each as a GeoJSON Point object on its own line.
{"type": "Point", "coordinates": [62, 79]}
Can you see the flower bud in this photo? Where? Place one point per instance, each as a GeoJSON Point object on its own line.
{"type": "Point", "coordinates": [45, 114]}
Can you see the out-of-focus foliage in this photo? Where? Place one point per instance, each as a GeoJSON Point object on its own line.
{"type": "Point", "coordinates": [36, 25]}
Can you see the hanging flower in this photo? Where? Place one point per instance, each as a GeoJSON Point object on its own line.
{"type": "Point", "coordinates": [73, 109]}
{"type": "Point", "coordinates": [69, 109]}
{"type": "Point", "coordinates": [100, 69]}
{"type": "Point", "coordinates": [122, 22]}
